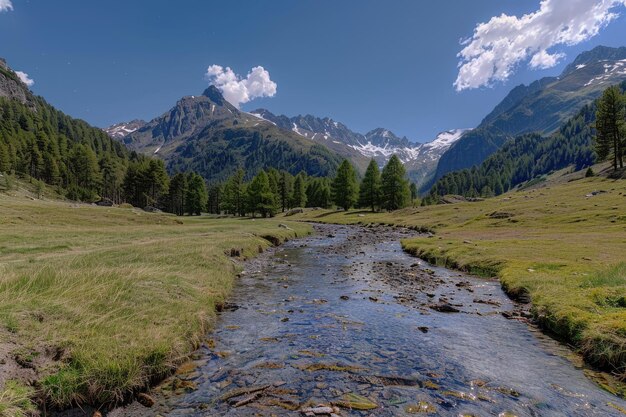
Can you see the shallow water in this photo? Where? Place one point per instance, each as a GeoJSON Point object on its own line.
{"type": "Point", "coordinates": [291, 318]}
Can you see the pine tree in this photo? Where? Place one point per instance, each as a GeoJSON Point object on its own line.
{"type": "Point", "coordinates": [196, 196]}
{"type": "Point", "coordinates": [39, 188]}
{"type": "Point", "coordinates": [318, 193]}
{"type": "Point", "coordinates": [214, 202]}
{"type": "Point", "coordinates": [414, 192]}
{"type": "Point", "coordinates": [86, 174]}
{"type": "Point", "coordinates": [260, 196]}
{"type": "Point", "coordinates": [395, 187]}
{"type": "Point", "coordinates": [369, 191]}
{"type": "Point", "coordinates": [325, 199]}
{"type": "Point", "coordinates": [177, 193]}
{"type": "Point", "coordinates": [344, 186]}
{"type": "Point", "coordinates": [131, 185]}
{"type": "Point", "coordinates": [157, 180]}
{"type": "Point", "coordinates": [285, 189]}
{"type": "Point", "coordinates": [610, 126]}
{"type": "Point", "coordinates": [5, 161]}
{"type": "Point", "coordinates": [298, 196]}
{"type": "Point", "coordinates": [235, 194]}
{"type": "Point", "coordinates": [51, 172]}
{"type": "Point", "coordinates": [274, 178]}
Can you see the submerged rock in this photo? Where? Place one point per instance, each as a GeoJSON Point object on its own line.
{"type": "Point", "coordinates": [444, 308]}
{"type": "Point", "coordinates": [356, 402]}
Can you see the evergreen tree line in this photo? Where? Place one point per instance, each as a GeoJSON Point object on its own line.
{"type": "Point", "coordinates": [272, 191]}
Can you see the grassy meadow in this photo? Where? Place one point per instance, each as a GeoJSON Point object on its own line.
{"type": "Point", "coordinates": [101, 302]}
{"type": "Point", "coordinates": [556, 243]}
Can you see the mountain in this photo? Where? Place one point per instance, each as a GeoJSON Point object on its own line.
{"type": "Point", "coordinates": [209, 135]}
{"type": "Point", "coordinates": [423, 163]}
{"type": "Point", "coordinates": [380, 144]}
{"type": "Point", "coordinates": [39, 142]}
{"type": "Point", "coordinates": [120, 130]}
{"type": "Point", "coordinates": [324, 131]}
{"type": "Point", "coordinates": [540, 107]}
{"type": "Point", "coordinates": [526, 158]}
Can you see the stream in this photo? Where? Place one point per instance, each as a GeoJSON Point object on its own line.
{"type": "Point", "coordinates": [345, 318]}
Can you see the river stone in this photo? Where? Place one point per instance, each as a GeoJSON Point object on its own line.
{"type": "Point", "coordinates": [444, 308]}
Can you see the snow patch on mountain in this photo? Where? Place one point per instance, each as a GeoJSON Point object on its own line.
{"type": "Point", "coordinates": [121, 130]}
{"type": "Point", "coordinates": [614, 69]}
{"type": "Point", "coordinates": [260, 116]}
{"type": "Point", "coordinates": [445, 139]}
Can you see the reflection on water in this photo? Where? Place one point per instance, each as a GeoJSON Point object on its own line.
{"type": "Point", "coordinates": [323, 319]}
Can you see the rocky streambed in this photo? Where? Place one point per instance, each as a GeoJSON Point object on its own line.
{"type": "Point", "coordinates": [344, 323]}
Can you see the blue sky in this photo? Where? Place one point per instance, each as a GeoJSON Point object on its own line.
{"type": "Point", "coordinates": [365, 63]}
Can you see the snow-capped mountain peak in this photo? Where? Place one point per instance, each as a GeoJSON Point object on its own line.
{"type": "Point", "coordinates": [379, 144]}
{"type": "Point", "coordinates": [382, 143]}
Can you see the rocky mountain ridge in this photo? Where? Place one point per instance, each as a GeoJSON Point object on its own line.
{"type": "Point", "coordinates": [207, 134]}
{"type": "Point", "coordinates": [12, 87]}
{"type": "Point", "coordinates": [541, 107]}
{"type": "Point", "coordinates": [379, 144]}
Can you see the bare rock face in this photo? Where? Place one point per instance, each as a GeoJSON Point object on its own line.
{"type": "Point", "coordinates": [12, 87]}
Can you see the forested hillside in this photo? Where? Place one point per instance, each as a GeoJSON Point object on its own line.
{"type": "Point", "coordinates": [43, 144]}
{"type": "Point", "coordinates": [525, 158]}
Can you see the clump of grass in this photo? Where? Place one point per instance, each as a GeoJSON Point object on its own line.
{"type": "Point", "coordinates": [10, 323]}
{"type": "Point", "coordinates": [15, 400]}
{"type": "Point", "coordinates": [614, 276]}
{"type": "Point", "coordinates": [606, 349]}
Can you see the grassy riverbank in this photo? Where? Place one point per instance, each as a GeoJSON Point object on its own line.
{"type": "Point", "coordinates": [96, 303]}
{"type": "Point", "coordinates": [563, 248]}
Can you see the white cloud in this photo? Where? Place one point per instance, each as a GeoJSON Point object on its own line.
{"type": "Point", "coordinates": [498, 46]}
{"type": "Point", "coordinates": [5, 5]}
{"type": "Point", "coordinates": [25, 78]}
{"type": "Point", "coordinates": [238, 90]}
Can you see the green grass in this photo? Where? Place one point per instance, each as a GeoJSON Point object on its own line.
{"type": "Point", "coordinates": [109, 300]}
{"type": "Point", "coordinates": [15, 400]}
{"type": "Point", "coordinates": [564, 249]}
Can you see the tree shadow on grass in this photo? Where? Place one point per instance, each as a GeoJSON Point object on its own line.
{"type": "Point", "coordinates": [319, 216]}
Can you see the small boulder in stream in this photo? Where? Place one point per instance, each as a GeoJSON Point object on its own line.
{"type": "Point", "coordinates": [444, 308]}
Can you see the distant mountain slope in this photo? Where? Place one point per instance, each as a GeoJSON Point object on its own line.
{"type": "Point", "coordinates": [539, 107]}
{"type": "Point", "coordinates": [528, 157]}
{"type": "Point", "coordinates": [208, 135]}
{"type": "Point", "coordinates": [324, 131]}
{"type": "Point", "coordinates": [423, 165]}
{"type": "Point", "coordinates": [380, 144]}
